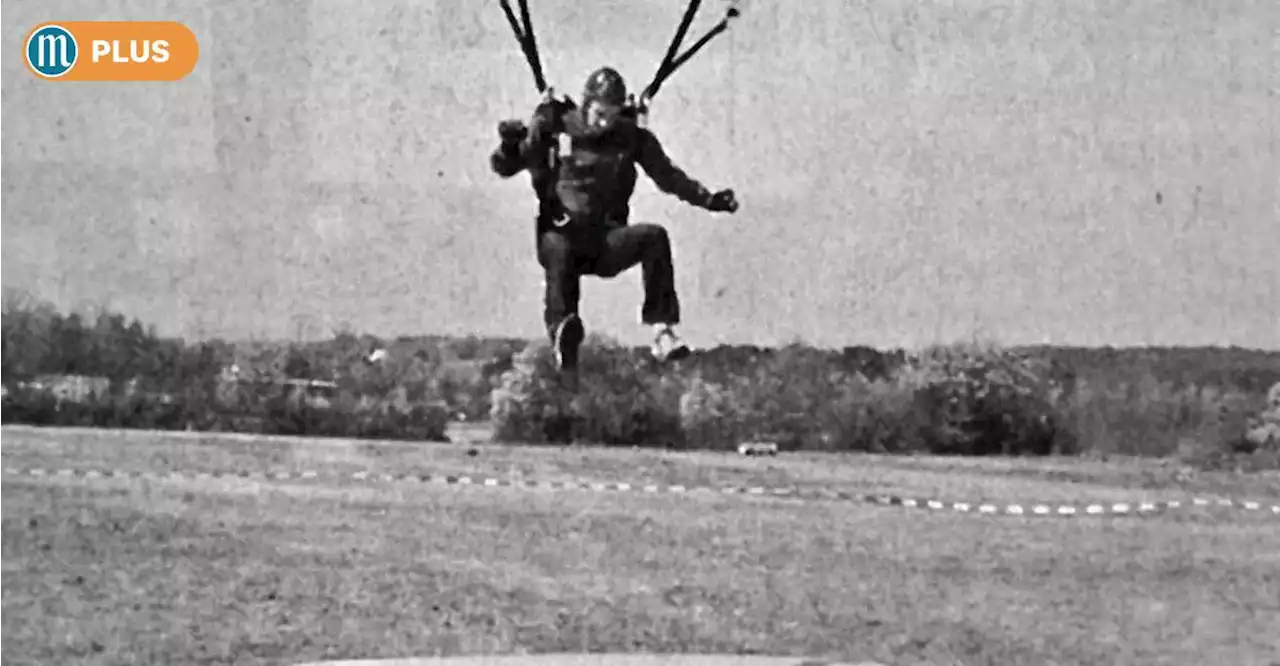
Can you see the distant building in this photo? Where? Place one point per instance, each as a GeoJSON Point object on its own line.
{"type": "Point", "coordinates": [70, 388]}
{"type": "Point", "coordinates": [82, 388]}
{"type": "Point", "coordinates": [313, 392]}
{"type": "Point", "coordinates": [318, 393]}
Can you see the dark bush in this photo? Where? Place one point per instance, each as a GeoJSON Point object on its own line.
{"type": "Point", "coordinates": [620, 400]}
{"type": "Point", "coordinates": [789, 396]}
{"type": "Point", "coordinates": [975, 400]}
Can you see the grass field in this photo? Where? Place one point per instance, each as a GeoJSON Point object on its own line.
{"type": "Point", "coordinates": [139, 571]}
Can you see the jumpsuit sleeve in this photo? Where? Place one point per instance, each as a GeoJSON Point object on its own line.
{"type": "Point", "coordinates": [667, 176]}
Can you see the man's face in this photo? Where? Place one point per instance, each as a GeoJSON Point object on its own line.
{"type": "Point", "coordinates": [601, 115]}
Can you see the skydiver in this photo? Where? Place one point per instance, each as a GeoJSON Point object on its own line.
{"type": "Point", "coordinates": [582, 163]}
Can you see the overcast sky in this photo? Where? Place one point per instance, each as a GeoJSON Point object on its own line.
{"type": "Point", "coordinates": [1083, 173]}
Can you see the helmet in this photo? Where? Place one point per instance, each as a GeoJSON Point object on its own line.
{"type": "Point", "coordinates": [605, 85]}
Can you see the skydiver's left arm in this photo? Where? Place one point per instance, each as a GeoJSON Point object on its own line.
{"type": "Point", "coordinates": [667, 176]}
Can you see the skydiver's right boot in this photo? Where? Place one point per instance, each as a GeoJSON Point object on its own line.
{"type": "Point", "coordinates": [667, 346]}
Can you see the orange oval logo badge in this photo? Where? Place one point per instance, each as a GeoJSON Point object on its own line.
{"type": "Point", "coordinates": [111, 51]}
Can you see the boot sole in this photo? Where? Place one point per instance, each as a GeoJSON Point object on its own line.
{"type": "Point", "coordinates": [676, 354]}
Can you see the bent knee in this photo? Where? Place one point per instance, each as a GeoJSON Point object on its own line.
{"type": "Point", "coordinates": [652, 233]}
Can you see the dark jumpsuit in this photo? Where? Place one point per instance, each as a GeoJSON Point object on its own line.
{"type": "Point", "coordinates": [584, 196]}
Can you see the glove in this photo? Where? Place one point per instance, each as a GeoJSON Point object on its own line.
{"type": "Point", "coordinates": [512, 131]}
{"type": "Point", "coordinates": [723, 201]}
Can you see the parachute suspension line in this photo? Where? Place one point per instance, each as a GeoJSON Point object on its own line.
{"type": "Point", "coordinates": [674, 46]}
{"type": "Point", "coordinates": [515, 25]}
{"type": "Point", "coordinates": [671, 63]}
{"type": "Point", "coordinates": [697, 46]}
{"type": "Point", "coordinates": [535, 61]}
{"type": "Point", "coordinates": [525, 37]}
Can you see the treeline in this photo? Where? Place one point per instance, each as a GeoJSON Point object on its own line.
{"type": "Point", "coordinates": [39, 341]}
{"type": "Point", "coordinates": [272, 415]}
{"type": "Point", "coordinates": [107, 371]}
{"type": "Point", "coordinates": [1196, 403]}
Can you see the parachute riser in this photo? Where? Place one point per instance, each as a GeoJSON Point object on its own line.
{"type": "Point", "coordinates": [672, 62]}
{"type": "Point", "coordinates": [636, 107]}
{"type": "Point", "coordinates": [528, 42]}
